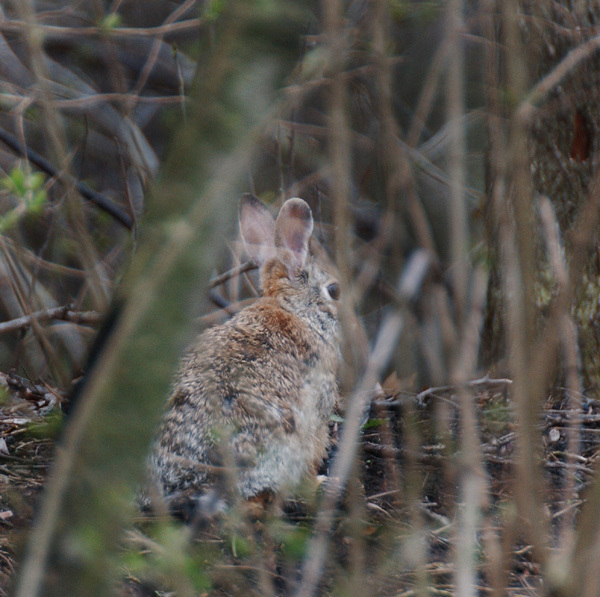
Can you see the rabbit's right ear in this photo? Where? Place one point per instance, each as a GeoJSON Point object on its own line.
{"type": "Point", "coordinates": [293, 229]}
{"type": "Point", "coordinates": [258, 229]}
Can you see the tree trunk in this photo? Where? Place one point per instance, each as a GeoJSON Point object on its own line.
{"type": "Point", "coordinates": [560, 67]}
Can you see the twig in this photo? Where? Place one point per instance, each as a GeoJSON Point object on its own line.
{"type": "Point", "coordinates": [512, 216]}
{"type": "Point", "coordinates": [474, 482]}
{"type": "Point", "coordinates": [56, 30]}
{"type": "Point", "coordinates": [555, 76]}
{"type": "Point", "coordinates": [232, 273]}
{"type": "Point", "coordinates": [116, 97]}
{"type": "Point", "coordinates": [427, 94]}
{"type": "Point", "coordinates": [219, 301]}
{"type": "Point", "coordinates": [151, 60]}
{"type": "Point", "coordinates": [339, 135]}
{"type": "Point", "coordinates": [484, 381]}
{"type": "Point", "coordinates": [455, 109]}
{"type": "Point", "coordinates": [56, 135]}
{"type": "Point", "coordinates": [32, 258]}
{"type": "Point", "coordinates": [432, 391]}
{"type": "Point", "coordinates": [41, 395]}
{"type": "Point", "coordinates": [569, 341]}
{"type": "Point", "coordinates": [96, 98]}
{"type": "Point", "coordinates": [99, 200]}
{"type": "Point", "coordinates": [223, 314]}
{"type": "Point", "coordinates": [64, 313]}
{"type": "Point", "coordinates": [567, 509]}
{"type": "Point", "coordinates": [572, 467]}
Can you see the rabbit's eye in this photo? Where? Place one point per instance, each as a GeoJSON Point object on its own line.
{"type": "Point", "coordinates": [334, 290]}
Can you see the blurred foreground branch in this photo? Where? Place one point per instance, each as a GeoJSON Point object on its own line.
{"type": "Point", "coordinates": [88, 499]}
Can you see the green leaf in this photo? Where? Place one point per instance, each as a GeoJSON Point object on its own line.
{"type": "Point", "coordinates": [9, 220]}
{"type": "Point", "coordinates": [35, 180]}
{"type": "Point", "coordinates": [20, 184]}
{"type": "Point", "coordinates": [214, 9]}
{"type": "Point", "coordinates": [37, 202]}
{"type": "Point", "coordinates": [48, 428]}
{"type": "Point", "coordinates": [110, 21]}
{"type": "Point", "coordinates": [372, 423]}
{"type": "Point", "coordinates": [295, 543]}
{"type": "Point", "coordinates": [240, 546]}
{"type": "Point", "coordinates": [197, 575]}
{"type": "Point", "coordinates": [17, 177]}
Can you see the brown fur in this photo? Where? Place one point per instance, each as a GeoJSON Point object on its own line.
{"type": "Point", "coordinates": [251, 403]}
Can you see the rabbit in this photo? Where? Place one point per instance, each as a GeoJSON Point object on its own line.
{"type": "Point", "coordinates": [258, 391]}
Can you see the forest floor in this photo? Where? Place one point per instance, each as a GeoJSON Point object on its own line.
{"type": "Point", "coordinates": [388, 460]}
{"type": "Point", "coordinates": [29, 422]}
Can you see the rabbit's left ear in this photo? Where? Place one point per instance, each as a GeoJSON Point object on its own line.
{"type": "Point", "coordinates": [258, 229]}
{"type": "Point", "coordinates": [293, 228]}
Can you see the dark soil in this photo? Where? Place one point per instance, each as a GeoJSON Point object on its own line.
{"type": "Point", "coordinates": [403, 444]}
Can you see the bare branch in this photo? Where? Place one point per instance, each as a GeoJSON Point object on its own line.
{"type": "Point", "coordinates": [232, 273]}
{"type": "Point", "coordinates": [56, 30]}
{"type": "Point", "coordinates": [539, 92]}
{"type": "Point", "coordinates": [65, 313]}
{"type": "Point", "coordinates": [98, 199]}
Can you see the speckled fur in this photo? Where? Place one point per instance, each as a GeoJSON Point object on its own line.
{"type": "Point", "coordinates": [257, 392]}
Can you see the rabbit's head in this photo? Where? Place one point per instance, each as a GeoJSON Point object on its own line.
{"type": "Point", "coordinates": [294, 268]}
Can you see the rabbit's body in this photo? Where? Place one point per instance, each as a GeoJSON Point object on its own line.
{"type": "Point", "coordinates": [255, 394]}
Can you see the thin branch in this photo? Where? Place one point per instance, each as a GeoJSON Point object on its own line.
{"type": "Point", "coordinates": [42, 395]}
{"type": "Point", "coordinates": [539, 92]}
{"type": "Point", "coordinates": [116, 97]}
{"type": "Point", "coordinates": [572, 359]}
{"type": "Point", "coordinates": [232, 273]}
{"type": "Point", "coordinates": [474, 383]}
{"type": "Point", "coordinates": [151, 60]}
{"type": "Point", "coordinates": [54, 129]}
{"type": "Point", "coordinates": [473, 486]}
{"type": "Point", "coordinates": [42, 163]}
{"type": "Point", "coordinates": [65, 313]}
{"type": "Point", "coordinates": [56, 30]}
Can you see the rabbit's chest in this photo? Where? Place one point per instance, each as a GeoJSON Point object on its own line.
{"type": "Point", "coordinates": [318, 397]}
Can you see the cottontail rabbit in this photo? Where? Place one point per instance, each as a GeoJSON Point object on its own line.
{"type": "Point", "coordinates": [258, 391]}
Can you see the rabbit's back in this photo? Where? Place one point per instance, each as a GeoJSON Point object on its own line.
{"type": "Point", "coordinates": [255, 393]}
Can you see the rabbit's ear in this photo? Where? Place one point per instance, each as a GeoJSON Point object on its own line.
{"type": "Point", "coordinates": [258, 229]}
{"type": "Point", "coordinates": [293, 228]}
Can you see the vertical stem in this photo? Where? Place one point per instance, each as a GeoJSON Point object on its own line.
{"type": "Point", "coordinates": [339, 136]}
{"type": "Point", "coordinates": [455, 111]}
{"type": "Point", "coordinates": [472, 484]}
{"type": "Point", "coordinates": [340, 155]}
{"type": "Point", "coordinates": [473, 478]}
{"type": "Point", "coordinates": [514, 213]}
{"type": "Point", "coordinates": [54, 130]}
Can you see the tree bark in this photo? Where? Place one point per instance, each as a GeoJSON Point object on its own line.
{"type": "Point", "coordinates": [561, 63]}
